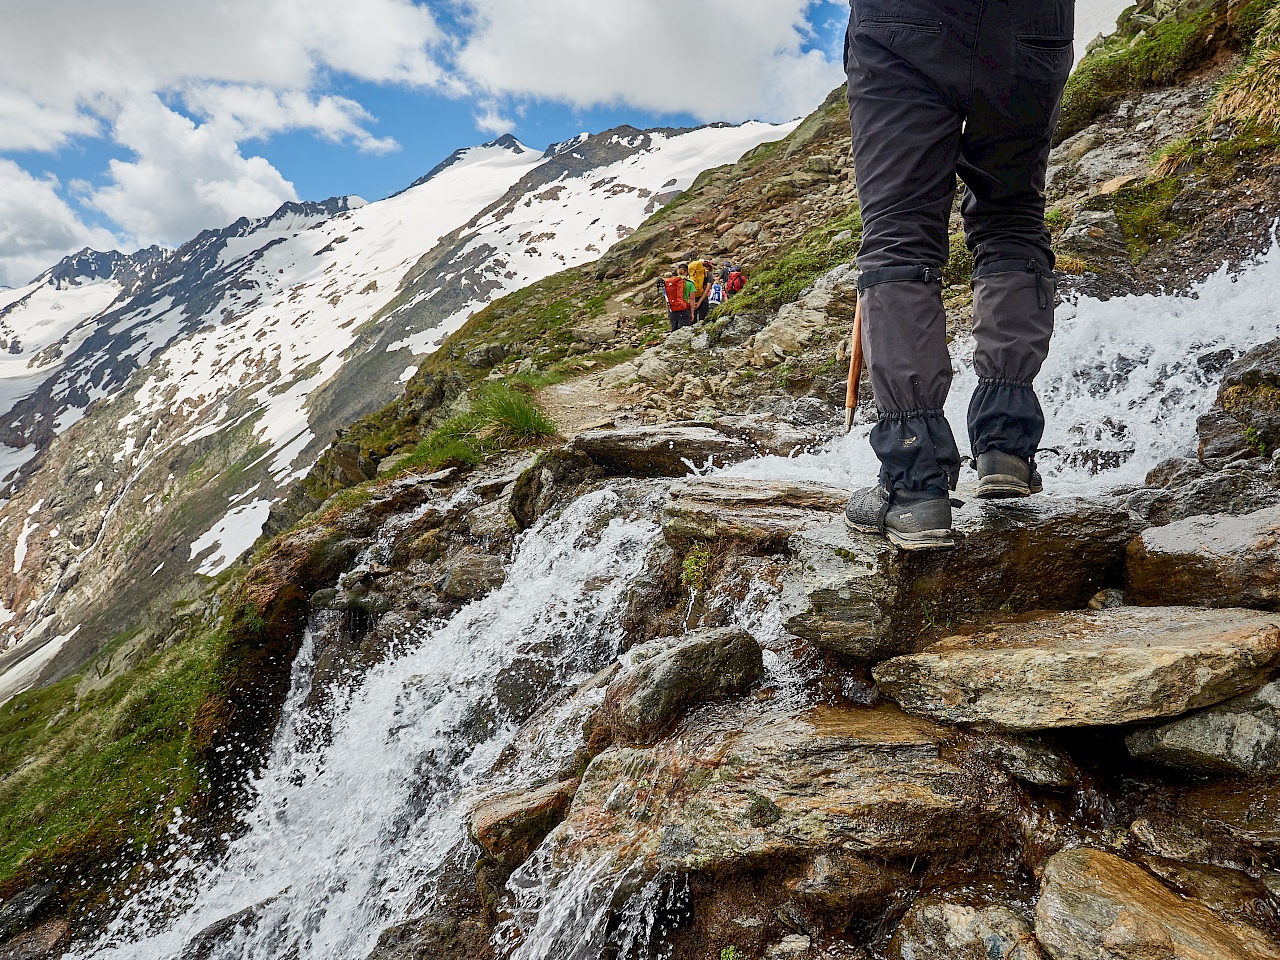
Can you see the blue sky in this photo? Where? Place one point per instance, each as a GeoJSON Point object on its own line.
{"type": "Point", "coordinates": [145, 121]}
{"type": "Point", "coordinates": [149, 121]}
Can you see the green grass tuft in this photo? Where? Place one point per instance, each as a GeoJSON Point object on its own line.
{"type": "Point", "coordinates": [513, 419]}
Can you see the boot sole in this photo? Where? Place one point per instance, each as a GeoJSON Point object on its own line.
{"type": "Point", "coordinates": [1001, 486]}
{"type": "Point", "coordinates": [925, 540]}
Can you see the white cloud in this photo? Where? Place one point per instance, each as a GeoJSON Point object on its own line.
{"type": "Point", "coordinates": [749, 63]}
{"type": "Point", "coordinates": [187, 177]}
{"type": "Point", "coordinates": [490, 119]}
{"type": "Point", "coordinates": [37, 228]}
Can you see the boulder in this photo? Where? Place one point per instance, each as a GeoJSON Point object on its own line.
{"type": "Point", "coordinates": [1217, 823]}
{"type": "Point", "coordinates": [936, 927]}
{"type": "Point", "coordinates": [763, 514]}
{"type": "Point", "coordinates": [1028, 760]}
{"type": "Point", "coordinates": [1240, 736]}
{"type": "Point", "coordinates": [670, 450]}
{"type": "Point", "coordinates": [648, 699]}
{"type": "Point", "coordinates": [472, 574]}
{"type": "Point", "coordinates": [45, 942]}
{"type": "Point", "coordinates": [741, 785]}
{"type": "Point", "coordinates": [1232, 894]}
{"type": "Point", "coordinates": [1115, 667]}
{"type": "Point", "coordinates": [1250, 394]}
{"type": "Point", "coordinates": [510, 826]}
{"type": "Point", "coordinates": [1095, 905]}
{"type": "Point", "coordinates": [1094, 235]}
{"type": "Point", "coordinates": [846, 882]}
{"type": "Point", "coordinates": [1210, 561]}
{"type": "Point", "coordinates": [860, 597]}
{"type": "Point", "coordinates": [18, 912]}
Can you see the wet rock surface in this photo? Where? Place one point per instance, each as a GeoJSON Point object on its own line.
{"type": "Point", "coordinates": [673, 450]}
{"type": "Point", "coordinates": [664, 682]}
{"type": "Point", "coordinates": [1211, 561]}
{"type": "Point", "coordinates": [1096, 905]}
{"type": "Point", "coordinates": [858, 596]}
{"type": "Point", "coordinates": [1240, 736]}
{"type": "Point", "coordinates": [936, 927]}
{"type": "Point", "coordinates": [746, 786]}
{"type": "Point", "coordinates": [760, 514]}
{"type": "Point", "coordinates": [510, 826]}
{"type": "Point", "coordinates": [1087, 669]}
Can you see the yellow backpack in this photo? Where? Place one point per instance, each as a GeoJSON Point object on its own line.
{"type": "Point", "coordinates": [698, 274]}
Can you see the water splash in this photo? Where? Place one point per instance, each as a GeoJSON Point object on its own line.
{"type": "Point", "coordinates": [344, 838]}
{"type": "Point", "coordinates": [1125, 381]}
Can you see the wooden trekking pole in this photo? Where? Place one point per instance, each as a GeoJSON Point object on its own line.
{"type": "Point", "coordinates": [855, 369]}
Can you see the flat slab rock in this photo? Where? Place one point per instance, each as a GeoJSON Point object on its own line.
{"type": "Point", "coordinates": [736, 786]}
{"type": "Point", "coordinates": [1114, 667]}
{"type": "Point", "coordinates": [761, 513]}
{"type": "Point", "coordinates": [860, 597]}
{"type": "Point", "coordinates": [1095, 905]}
{"type": "Point", "coordinates": [671, 450]}
{"type": "Point", "coordinates": [1211, 561]}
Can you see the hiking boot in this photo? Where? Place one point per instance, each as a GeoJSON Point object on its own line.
{"type": "Point", "coordinates": [1002, 476]}
{"type": "Point", "coordinates": [910, 521]}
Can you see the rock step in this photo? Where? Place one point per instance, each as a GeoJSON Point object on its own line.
{"type": "Point", "coordinates": [1115, 667]}
{"type": "Point", "coordinates": [860, 597]}
{"type": "Point", "coordinates": [763, 514]}
{"type": "Point", "coordinates": [1210, 561]}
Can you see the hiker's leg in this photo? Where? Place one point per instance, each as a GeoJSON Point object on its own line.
{"type": "Point", "coordinates": [1025, 55]}
{"type": "Point", "coordinates": [905, 93]}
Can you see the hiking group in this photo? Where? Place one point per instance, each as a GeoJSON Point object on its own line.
{"type": "Point", "coordinates": [696, 288]}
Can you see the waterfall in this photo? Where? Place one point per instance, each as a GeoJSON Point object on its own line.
{"type": "Point", "coordinates": [349, 828]}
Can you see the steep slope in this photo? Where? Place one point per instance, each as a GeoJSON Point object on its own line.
{"type": "Point", "coordinates": [181, 413]}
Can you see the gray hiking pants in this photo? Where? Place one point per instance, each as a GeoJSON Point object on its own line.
{"type": "Point", "coordinates": [970, 88]}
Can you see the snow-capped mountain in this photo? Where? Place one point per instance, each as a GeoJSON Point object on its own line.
{"type": "Point", "coordinates": [158, 404]}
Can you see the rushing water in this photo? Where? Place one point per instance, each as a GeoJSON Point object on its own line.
{"type": "Point", "coordinates": [359, 807]}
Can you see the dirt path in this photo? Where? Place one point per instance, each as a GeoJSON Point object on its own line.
{"type": "Point", "coordinates": [577, 405]}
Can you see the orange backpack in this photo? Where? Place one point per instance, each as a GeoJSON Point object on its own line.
{"type": "Point", "coordinates": [674, 287]}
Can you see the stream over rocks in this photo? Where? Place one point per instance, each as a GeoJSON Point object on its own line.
{"type": "Point", "coordinates": [780, 802]}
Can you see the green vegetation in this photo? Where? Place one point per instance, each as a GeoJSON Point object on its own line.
{"type": "Point", "coordinates": [1131, 60]}
{"type": "Point", "coordinates": [959, 267]}
{"type": "Point", "coordinates": [694, 569]}
{"type": "Point", "coordinates": [819, 251]}
{"type": "Point", "coordinates": [1255, 441]}
{"type": "Point", "coordinates": [88, 784]}
{"type": "Point", "coordinates": [732, 953]}
{"type": "Point", "coordinates": [1144, 214]}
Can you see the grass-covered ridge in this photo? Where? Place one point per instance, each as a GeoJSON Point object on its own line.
{"type": "Point", "coordinates": [1144, 52]}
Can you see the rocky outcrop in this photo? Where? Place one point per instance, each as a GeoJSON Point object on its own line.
{"type": "Point", "coordinates": [1115, 667]}
{"type": "Point", "coordinates": [673, 450]}
{"type": "Point", "coordinates": [1241, 736]}
{"type": "Point", "coordinates": [937, 927]}
{"type": "Point", "coordinates": [761, 514]}
{"type": "Point", "coordinates": [510, 826]}
{"type": "Point", "coordinates": [648, 699]}
{"type": "Point", "coordinates": [750, 786]}
{"type": "Point", "coordinates": [1094, 905]}
{"type": "Point", "coordinates": [859, 597]}
{"type": "Point", "coordinates": [1213, 561]}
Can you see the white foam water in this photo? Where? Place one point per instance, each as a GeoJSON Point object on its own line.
{"type": "Point", "coordinates": [359, 809]}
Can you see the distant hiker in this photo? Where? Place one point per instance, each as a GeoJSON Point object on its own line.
{"type": "Point", "coordinates": [735, 281]}
{"type": "Point", "coordinates": [717, 293]}
{"type": "Point", "coordinates": [678, 291]}
{"type": "Point", "coordinates": [701, 278]}
{"type": "Point", "coordinates": [973, 88]}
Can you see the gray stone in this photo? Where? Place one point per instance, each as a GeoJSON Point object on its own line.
{"type": "Point", "coordinates": [1028, 760]}
{"type": "Point", "coordinates": [17, 913]}
{"type": "Point", "coordinates": [837, 880]}
{"type": "Point", "coordinates": [646, 700]}
{"type": "Point", "coordinates": [1094, 905]}
{"type": "Point", "coordinates": [472, 574]}
{"type": "Point", "coordinates": [1239, 736]}
{"type": "Point", "coordinates": [671, 450]}
{"type": "Point", "coordinates": [1094, 235]}
{"type": "Point", "coordinates": [1116, 667]}
{"type": "Point", "coordinates": [1210, 561]}
{"type": "Point", "coordinates": [858, 596]}
{"type": "Point", "coordinates": [744, 784]}
{"type": "Point", "coordinates": [761, 513]}
{"type": "Point", "coordinates": [936, 927]}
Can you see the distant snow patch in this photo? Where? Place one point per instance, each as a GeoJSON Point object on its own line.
{"type": "Point", "coordinates": [231, 536]}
